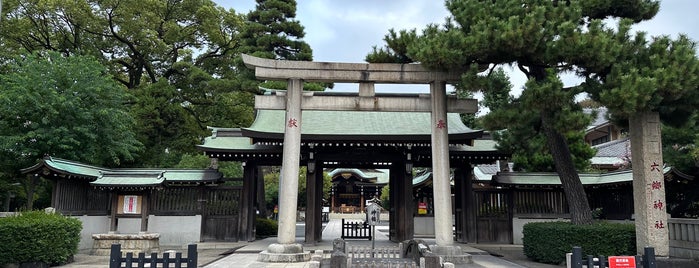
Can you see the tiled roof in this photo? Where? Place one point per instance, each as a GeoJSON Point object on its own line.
{"type": "Point", "coordinates": [611, 153]}
{"type": "Point", "coordinates": [616, 148]}
{"type": "Point", "coordinates": [600, 119]}
{"type": "Point", "coordinates": [485, 172]}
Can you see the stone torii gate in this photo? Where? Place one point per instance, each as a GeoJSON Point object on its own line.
{"type": "Point", "coordinates": [366, 74]}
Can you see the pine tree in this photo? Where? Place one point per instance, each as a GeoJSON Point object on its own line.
{"type": "Point", "coordinates": [543, 39]}
{"type": "Point", "coordinates": [272, 32]}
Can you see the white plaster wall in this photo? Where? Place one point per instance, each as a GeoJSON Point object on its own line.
{"type": "Point", "coordinates": [176, 230]}
{"type": "Point", "coordinates": [128, 225]}
{"type": "Point", "coordinates": [91, 225]}
{"type": "Point", "coordinates": [424, 226]}
{"type": "Point", "coordinates": [518, 226]}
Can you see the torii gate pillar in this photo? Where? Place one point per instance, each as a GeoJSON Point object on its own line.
{"type": "Point", "coordinates": [286, 250]}
{"type": "Point", "coordinates": [440, 166]}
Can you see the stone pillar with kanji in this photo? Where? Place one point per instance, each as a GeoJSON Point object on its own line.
{"type": "Point", "coordinates": [648, 183]}
{"type": "Point", "coordinates": [286, 249]}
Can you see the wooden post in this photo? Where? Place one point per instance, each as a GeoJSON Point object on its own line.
{"type": "Point", "coordinates": [115, 203]}
{"type": "Point", "coordinates": [576, 258]}
{"type": "Point", "coordinates": [144, 211]}
{"type": "Point", "coordinates": [319, 196]}
{"type": "Point", "coordinates": [192, 256]}
{"type": "Point", "coordinates": [649, 257]}
{"type": "Point", "coordinates": [115, 256]}
{"type": "Point", "coordinates": [247, 204]}
{"type": "Point", "coordinates": [261, 204]}
{"type": "Point", "coordinates": [401, 187]}
{"type": "Point", "coordinates": [311, 203]}
{"type": "Point", "coordinates": [462, 188]}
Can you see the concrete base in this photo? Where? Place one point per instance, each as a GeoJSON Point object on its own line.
{"type": "Point", "coordinates": [284, 253]}
{"type": "Point", "coordinates": [453, 254]}
{"type": "Point", "coordinates": [135, 243]}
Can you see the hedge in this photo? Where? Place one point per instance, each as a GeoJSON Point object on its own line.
{"type": "Point", "coordinates": [36, 236]}
{"type": "Point", "coordinates": [548, 242]}
{"type": "Point", "coordinates": [265, 227]}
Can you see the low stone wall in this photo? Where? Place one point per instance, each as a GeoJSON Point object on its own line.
{"type": "Point", "coordinates": [684, 238]}
{"type": "Point", "coordinates": [135, 243]}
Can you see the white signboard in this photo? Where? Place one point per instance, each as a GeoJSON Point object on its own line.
{"type": "Point", "coordinates": [373, 214]}
{"type": "Point", "coordinates": [130, 204]}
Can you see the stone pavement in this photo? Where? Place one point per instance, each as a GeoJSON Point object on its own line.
{"type": "Point", "coordinates": [244, 254]}
{"type": "Point", "coordinates": [247, 255]}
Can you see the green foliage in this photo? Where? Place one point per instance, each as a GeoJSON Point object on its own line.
{"type": "Point", "coordinates": [396, 49]}
{"type": "Point", "coordinates": [548, 242]}
{"type": "Point", "coordinates": [265, 227]}
{"type": "Point", "coordinates": [544, 39]}
{"type": "Point", "coordinates": [659, 75]}
{"type": "Point", "coordinates": [519, 128]}
{"type": "Point", "coordinates": [35, 236]}
{"type": "Point", "coordinates": [680, 151]}
{"type": "Point", "coordinates": [229, 169]}
{"type": "Point", "coordinates": [385, 195]}
{"type": "Point", "coordinates": [174, 56]}
{"type": "Point", "coordinates": [68, 107]}
{"type": "Point", "coordinates": [137, 49]}
{"type": "Point", "coordinates": [272, 32]}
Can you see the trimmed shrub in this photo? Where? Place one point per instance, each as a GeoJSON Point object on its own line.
{"type": "Point", "coordinates": [265, 227]}
{"type": "Point", "coordinates": [36, 236]}
{"type": "Point", "coordinates": [548, 242]}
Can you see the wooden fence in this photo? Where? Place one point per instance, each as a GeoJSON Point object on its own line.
{"type": "Point", "coordinates": [356, 230]}
{"type": "Point", "coordinates": [684, 238]}
{"type": "Point", "coordinates": [116, 259]}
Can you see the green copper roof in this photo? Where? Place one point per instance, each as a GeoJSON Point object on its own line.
{"type": "Point", "coordinates": [154, 177]}
{"type": "Point", "coordinates": [551, 178]}
{"type": "Point", "coordinates": [57, 165]}
{"type": "Point", "coordinates": [122, 177]}
{"type": "Point", "coordinates": [129, 178]}
{"type": "Point", "coordinates": [352, 125]}
{"type": "Point", "coordinates": [231, 139]}
{"type": "Point", "coordinates": [355, 171]}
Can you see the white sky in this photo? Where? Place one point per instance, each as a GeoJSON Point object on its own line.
{"type": "Point", "coordinates": [346, 31]}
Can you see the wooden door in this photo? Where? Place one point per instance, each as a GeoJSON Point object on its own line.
{"type": "Point", "coordinates": [494, 217]}
{"type": "Point", "coordinates": [220, 214]}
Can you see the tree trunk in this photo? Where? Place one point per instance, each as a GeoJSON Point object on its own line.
{"type": "Point", "coordinates": [580, 212]}
{"type": "Point", "coordinates": [30, 188]}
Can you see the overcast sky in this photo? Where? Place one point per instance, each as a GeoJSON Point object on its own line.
{"type": "Point", "coordinates": [345, 31]}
